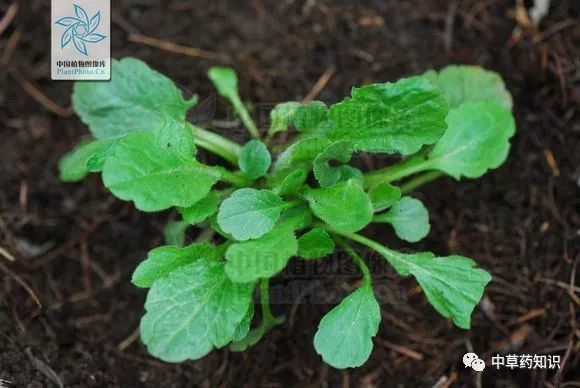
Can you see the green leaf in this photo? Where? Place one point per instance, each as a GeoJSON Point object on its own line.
{"type": "Point", "coordinates": [262, 258]}
{"type": "Point", "coordinates": [155, 174]}
{"type": "Point", "coordinates": [301, 154]}
{"type": "Point", "coordinates": [255, 159]}
{"type": "Point", "coordinates": [477, 139]}
{"type": "Point", "coordinates": [164, 260]}
{"type": "Point", "coordinates": [174, 232]}
{"type": "Point", "coordinates": [313, 119]}
{"type": "Point", "coordinates": [391, 117]}
{"type": "Point", "coordinates": [250, 213]}
{"type": "Point", "coordinates": [136, 99]}
{"type": "Point", "coordinates": [216, 226]}
{"type": "Point", "coordinates": [243, 327]}
{"type": "Point", "coordinates": [85, 158]}
{"type": "Point", "coordinates": [384, 196]}
{"type": "Point", "coordinates": [315, 244]}
{"type": "Point", "coordinates": [225, 81]}
{"type": "Point", "coordinates": [297, 217]}
{"type": "Point", "coordinates": [292, 183]}
{"type": "Point", "coordinates": [460, 84]}
{"type": "Point", "coordinates": [192, 311]}
{"type": "Point", "coordinates": [252, 337]}
{"type": "Point", "coordinates": [344, 336]}
{"type": "Point", "coordinates": [281, 116]}
{"type": "Point", "coordinates": [409, 218]}
{"type": "Point", "coordinates": [341, 152]}
{"type": "Point", "coordinates": [351, 173]}
{"type": "Point", "coordinates": [452, 284]}
{"type": "Point", "coordinates": [345, 207]}
{"type": "Point", "coordinates": [201, 210]}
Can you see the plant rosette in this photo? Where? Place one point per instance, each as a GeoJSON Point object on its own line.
{"type": "Point", "coordinates": [265, 207]}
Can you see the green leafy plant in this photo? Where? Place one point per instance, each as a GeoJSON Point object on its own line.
{"type": "Point", "coordinates": [278, 200]}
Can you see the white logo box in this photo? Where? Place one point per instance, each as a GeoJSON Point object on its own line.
{"type": "Point", "coordinates": [81, 40]}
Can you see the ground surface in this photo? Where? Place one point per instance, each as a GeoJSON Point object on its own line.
{"type": "Point", "coordinates": [75, 246]}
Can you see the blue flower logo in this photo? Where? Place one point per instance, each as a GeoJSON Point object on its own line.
{"type": "Point", "coordinates": [80, 30]}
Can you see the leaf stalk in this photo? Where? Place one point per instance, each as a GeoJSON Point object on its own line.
{"type": "Point", "coordinates": [216, 144]}
{"type": "Point", "coordinates": [398, 171]}
{"type": "Point", "coordinates": [357, 259]}
{"type": "Point", "coordinates": [241, 110]}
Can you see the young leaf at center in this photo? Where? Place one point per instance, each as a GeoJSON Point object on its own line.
{"type": "Point", "coordinates": [262, 258]}
{"type": "Point", "coordinates": [292, 183]}
{"type": "Point", "coordinates": [315, 244]}
{"type": "Point", "coordinates": [250, 213]}
{"type": "Point", "coordinates": [384, 196]}
{"type": "Point", "coordinates": [340, 152]}
{"type": "Point", "coordinates": [313, 119]}
{"type": "Point", "coordinates": [201, 210]}
{"type": "Point", "coordinates": [345, 206]}
{"type": "Point", "coordinates": [255, 159]}
{"type": "Point", "coordinates": [281, 117]}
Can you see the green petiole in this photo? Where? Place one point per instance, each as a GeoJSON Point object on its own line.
{"type": "Point", "coordinates": [268, 321]}
{"type": "Point", "coordinates": [241, 110]}
{"type": "Point", "coordinates": [357, 259]}
{"type": "Point", "coordinates": [398, 171]}
{"type": "Point", "coordinates": [217, 144]}
{"type": "Point", "coordinates": [420, 180]}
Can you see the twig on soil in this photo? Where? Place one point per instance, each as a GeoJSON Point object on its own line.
{"type": "Point", "coordinates": [11, 46]}
{"type": "Point", "coordinates": [23, 197]}
{"type": "Point", "coordinates": [129, 340]}
{"type": "Point", "coordinates": [370, 378]}
{"type": "Point", "coordinates": [18, 320]}
{"type": "Point", "coordinates": [345, 379]}
{"type": "Point", "coordinates": [91, 319]}
{"type": "Point", "coordinates": [7, 255]}
{"type": "Point", "coordinates": [8, 16]}
{"type": "Point", "coordinates": [44, 368]}
{"type": "Point", "coordinates": [488, 309]}
{"type": "Point", "coordinates": [48, 257]}
{"type": "Point", "coordinates": [178, 48]}
{"type": "Point", "coordinates": [400, 349]}
{"type": "Point", "coordinates": [515, 340]}
{"type": "Point", "coordinates": [34, 92]}
{"type": "Point", "coordinates": [477, 8]}
{"type": "Point", "coordinates": [24, 285]}
{"type": "Point", "coordinates": [139, 359]}
{"type": "Point", "coordinates": [449, 26]}
{"type": "Point", "coordinates": [551, 162]}
{"type": "Point", "coordinates": [564, 360]}
{"type": "Point", "coordinates": [561, 284]}
{"type": "Point", "coordinates": [532, 314]}
{"type": "Point", "coordinates": [554, 29]}
{"type": "Point", "coordinates": [85, 260]}
{"type": "Point", "coordinates": [123, 23]}
{"type": "Point", "coordinates": [81, 296]}
{"type": "Point", "coordinates": [445, 382]}
{"type": "Point", "coordinates": [319, 85]}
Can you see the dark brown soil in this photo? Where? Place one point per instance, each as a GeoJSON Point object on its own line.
{"type": "Point", "coordinates": [75, 246]}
